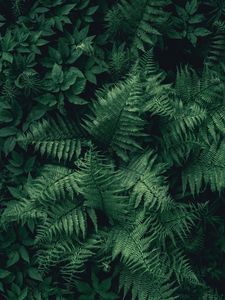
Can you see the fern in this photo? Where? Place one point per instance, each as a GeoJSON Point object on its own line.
{"type": "Point", "coordinates": [63, 220]}
{"type": "Point", "coordinates": [144, 177]}
{"type": "Point", "coordinates": [74, 256]}
{"type": "Point", "coordinates": [146, 287]}
{"type": "Point", "coordinates": [144, 19]}
{"type": "Point", "coordinates": [57, 138]}
{"type": "Point", "coordinates": [206, 168]}
{"type": "Point", "coordinates": [136, 250]}
{"type": "Point", "coordinates": [115, 121]}
{"type": "Point", "coordinates": [100, 186]}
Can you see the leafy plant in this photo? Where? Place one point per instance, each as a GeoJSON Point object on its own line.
{"type": "Point", "coordinates": [112, 150]}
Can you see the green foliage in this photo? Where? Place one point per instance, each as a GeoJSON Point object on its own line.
{"type": "Point", "coordinates": [112, 165]}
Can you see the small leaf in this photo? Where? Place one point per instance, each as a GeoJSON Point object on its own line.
{"type": "Point", "coordinates": [196, 19]}
{"type": "Point", "coordinates": [7, 57]}
{"type": "Point", "coordinates": [201, 31]}
{"type": "Point", "coordinates": [34, 274]}
{"type": "Point", "coordinates": [8, 131]}
{"type": "Point", "coordinates": [57, 73]}
{"type": "Point", "coordinates": [13, 258]}
{"type": "Point", "coordinates": [4, 273]}
{"type": "Point", "coordinates": [76, 100]}
{"type": "Point", "coordinates": [91, 77]}
{"type": "Point", "coordinates": [23, 295]}
{"type": "Point", "coordinates": [24, 254]}
{"type": "Point", "coordinates": [65, 9]}
{"type": "Point", "coordinates": [191, 6]}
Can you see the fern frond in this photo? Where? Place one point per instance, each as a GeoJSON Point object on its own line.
{"type": "Point", "coordinates": [75, 262]}
{"type": "Point", "coordinates": [179, 264]}
{"type": "Point", "coordinates": [54, 183]}
{"type": "Point", "coordinates": [115, 121]}
{"type": "Point", "coordinates": [174, 223]}
{"type": "Point", "coordinates": [22, 210]}
{"type": "Point", "coordinates": [135, 250]}
{"type": "Point", "coordinates": [144, 177]}
{"type": "Point", "coordinates": [206, 168]}
{"type": "Point", "coordinates": [143, 19]}
{"type": "Point", "coordinates": [217, 46]}
{"type": "Point", "coordinates": [57, 138]}
{"type": "Point", "coordinates": [100, 186]}
{"type": "Point", "coordinates": [63, 220]}
{"type": "Point", "coordinates": [211, 294]}
{"type": "Point", "coordinates": [144, 287]}
{"type": "Point", "coordinates": [74, 256]}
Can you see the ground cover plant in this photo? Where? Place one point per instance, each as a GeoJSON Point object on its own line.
{"type": "Point", "coordinates": [112, 149]}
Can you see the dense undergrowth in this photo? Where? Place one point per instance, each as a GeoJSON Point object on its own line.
{"type": "Point", "coordinates": [112, 149]}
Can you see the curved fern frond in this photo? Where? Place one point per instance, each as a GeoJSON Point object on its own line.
{"type": "Point", "coordinates": [57, 138]}
{"type": "Point", "coordinates": [63, 220]}
{"type": "Point", "coordinates": [75, 262]}
{"type": "Point", "coordinates": [55, 183]}
{"type": "Point", "coordinates": [74, 256]}
{"type": "Point", "coordinates": [179, 264]}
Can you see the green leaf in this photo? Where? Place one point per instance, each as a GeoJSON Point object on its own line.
{"type": "Point", "coordinates": [4, 273]}
{"type": "Point", "coordinates": [9, 144]}
{"type": "Point", "coordinates": [91, 77]}
{"type": "Point", "coordinates": [24, 294]}
{"type": "Point", "coordinates": [76, 100]}
{"type": "Point", "coordinates": [29, 164]}
{"type": "Point", "coordinates": [57, 73]}
{"type": "Point", "coordinates": [34, 274]}
{"type": "Point", "coordinates": [191, 6]}
{"type": "Point", "coordinates": [83, 287]}
{"type": "Point", "coordinates": [24, 254]}
{"type": "Point", "coordinates": [196, 19]}
{"type": "Point", "coordinates": [92, 10]}
{"type": "Point", "coordinates": [13, 258]}
{"type": "Point", "coordinates": [201, 31]}
{"type": "Point", "coordinates": [8, 131]}
{"type": "Point", "coordinates": [47, 99]}
{"type": "Point", "coordinates": [65, 9]}
{"type": "Point", "coordinates": [7, 57]}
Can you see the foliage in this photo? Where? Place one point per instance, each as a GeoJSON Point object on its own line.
{"type": "Point", "coordinates": [112, 164]}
